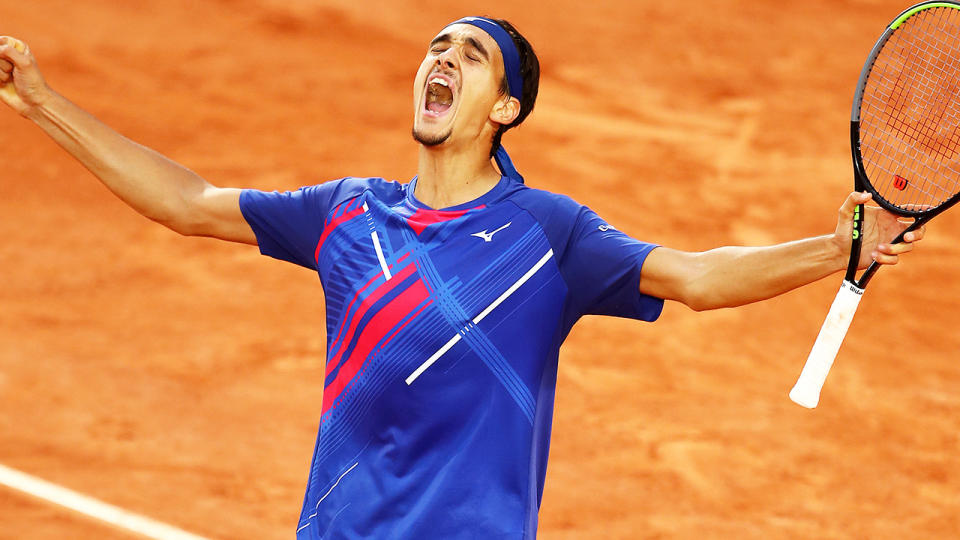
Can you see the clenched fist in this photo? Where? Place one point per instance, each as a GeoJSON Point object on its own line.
{"type": "Point", "coordinates": [21, 84]}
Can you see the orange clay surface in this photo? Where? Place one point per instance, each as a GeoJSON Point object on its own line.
{"type": "Point", "coordinates": [181, 378]}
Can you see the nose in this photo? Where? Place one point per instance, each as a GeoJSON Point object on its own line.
{"type": "Point", "coordinates": [448, 58]}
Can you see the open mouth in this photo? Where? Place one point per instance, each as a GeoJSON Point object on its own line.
{"type": "Point", "coordinates": [439, 96]}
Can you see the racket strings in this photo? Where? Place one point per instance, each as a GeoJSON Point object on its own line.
{"type": "Point", "coordinates": [931, 64]}
{"type": "Point", "coordinates": [910, 112]}
{"type": "Point", "coordinates": [908, 128]}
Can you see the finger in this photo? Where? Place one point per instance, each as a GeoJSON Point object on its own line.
{"type": "Point", "coordinates": [13, 42]}
{"type": "Point", "coordinates": [895, 249]}
{"type": "Point", "coordinates": [5, 66]}
{"type": "Point", "coordinates": [883, 258]}
{"type": "Point", "coordinates": [850, 204]}
{"type": "Point", "coordinates": [14, 51]}
{"type": "Point", "coordinates": [915, 236]}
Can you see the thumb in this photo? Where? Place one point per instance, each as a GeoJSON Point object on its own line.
{"type": "Point", "coordinates": [21, 84]}
{"type": "Point", "coordinates": [15, 51]}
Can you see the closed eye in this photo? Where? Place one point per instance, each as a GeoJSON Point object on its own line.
{"type": "Point", "coordinates": [478, 48]}
{"type": "Point", "coordinates": [440, 43]}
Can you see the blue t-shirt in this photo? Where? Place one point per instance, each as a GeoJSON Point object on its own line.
{"type": "Point", "coordinates": [443, 332]}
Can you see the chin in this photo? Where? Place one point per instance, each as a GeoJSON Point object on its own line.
{"type": "Point", "coordinates": [430, 139]}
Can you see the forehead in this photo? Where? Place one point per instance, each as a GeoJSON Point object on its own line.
{"type": "Point", "coordinates": [462, 33]}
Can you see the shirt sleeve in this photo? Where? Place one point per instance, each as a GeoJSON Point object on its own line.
{"type": "Point", "coordinates": [288, 224]}
{"type": "Point", "coordinates": [602, 268]}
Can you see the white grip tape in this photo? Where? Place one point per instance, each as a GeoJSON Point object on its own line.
{"type": "Point", "coordinates": [807, 390]}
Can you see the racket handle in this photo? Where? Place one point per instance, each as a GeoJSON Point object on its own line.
{"type": "Point", "coordinates": [807, 390]}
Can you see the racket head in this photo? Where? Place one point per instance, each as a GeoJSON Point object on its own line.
{"type": "Point", "coordinates": [905, 120]}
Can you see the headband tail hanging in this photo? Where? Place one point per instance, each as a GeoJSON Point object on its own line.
{"type": "Point", "coordinates": [506, 165]}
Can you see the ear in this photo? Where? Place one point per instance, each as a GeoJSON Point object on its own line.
{"type": "Point", "coordinates": [505, 110]}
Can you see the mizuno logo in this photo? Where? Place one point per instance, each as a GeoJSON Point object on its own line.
{"type": "Point", "coordinates": [488, 236]}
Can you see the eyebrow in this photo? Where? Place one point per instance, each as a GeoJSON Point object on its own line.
{"type": "Point", "coordinates": [445, 38]}
{"type": "Point", "coordinates": [479, 47]}
{"type": "Point", "coordinates": [439, 39]}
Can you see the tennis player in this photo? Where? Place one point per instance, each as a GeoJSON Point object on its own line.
{"type": "Point", "coordinates": [448, 296]}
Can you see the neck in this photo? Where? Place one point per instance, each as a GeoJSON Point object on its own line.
{"type": "Point", "coordinates": [449, 176]}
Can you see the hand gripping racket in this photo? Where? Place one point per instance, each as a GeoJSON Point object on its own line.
{"type": "Point", "coordinates": [905, 141]}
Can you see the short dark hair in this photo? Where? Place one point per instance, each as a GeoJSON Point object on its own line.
{"type": "Point", "coordinates": [529, 70]}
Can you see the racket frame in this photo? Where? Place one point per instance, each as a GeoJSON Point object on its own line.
{"type": "Point", "coordinates": [861, 180]}
{"type": "Point", "coordinates": [806, 391]}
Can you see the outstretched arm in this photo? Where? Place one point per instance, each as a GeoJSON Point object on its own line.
{"type": "Point", "coordinates": [152, 184]}
{"type": "Point", "coordinates": [733, 276]}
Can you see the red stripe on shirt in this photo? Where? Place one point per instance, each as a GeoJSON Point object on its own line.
{"type": "Point", "coordinates": [346, 316]}
{"type": "Point", "coordinates": [379, 326]}
{"type": "Point", "coordinates": [423, 217]}
{"type": "Point", "coordinates": [402, 326]}
{"type": "Point", "coordinates": [334, 223]}
{"type": "Point", "coordinates": [377, 294]}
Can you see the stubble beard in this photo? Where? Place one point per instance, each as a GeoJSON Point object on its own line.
{"type": "Point", "coordinates": [427, 140]}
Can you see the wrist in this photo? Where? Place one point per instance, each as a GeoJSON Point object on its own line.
{"type": "Point", "coordinates": [838, 251]}
{"type": "Point", "coordinates": [43, 103]}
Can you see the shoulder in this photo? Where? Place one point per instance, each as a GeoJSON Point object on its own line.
{"type": "Point", "coordinates": [350, 187]}
{"type": "Point", "coordinates": [318, 199]}
{"type": "Point", "coordinates": [372, 183]}
{"type": "Point", "coordinates": [333, 193]}
{"type": "Point", "coordinates": [557, 215]}
{"type": "Point", "coordinates": [547, 206]}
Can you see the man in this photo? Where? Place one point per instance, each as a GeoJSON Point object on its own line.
{"type": "Point", "coordinates": [447, 297]}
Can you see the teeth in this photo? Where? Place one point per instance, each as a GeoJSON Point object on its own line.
{"type": "Point", "coordinates": [438, 80]}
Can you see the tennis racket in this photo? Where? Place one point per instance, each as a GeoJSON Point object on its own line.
{"type": "Point", "coordinates": [905, 142]}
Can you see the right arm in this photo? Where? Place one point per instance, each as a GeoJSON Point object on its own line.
{"type": "Point", "coordinates": [150, 183]}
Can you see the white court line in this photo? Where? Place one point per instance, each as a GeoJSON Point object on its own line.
{"type": "Point", "coordinates": [91, 507]}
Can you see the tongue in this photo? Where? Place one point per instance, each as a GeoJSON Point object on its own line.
{"type": "Point", "coordinates": [437, 107]}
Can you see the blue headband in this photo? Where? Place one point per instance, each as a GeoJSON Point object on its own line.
{"type": "Point", "coordinates": [511, 66]}
{"type": "Point", "coordinates": [508, 49]}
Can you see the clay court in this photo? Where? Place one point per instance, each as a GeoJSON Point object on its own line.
{"type": "Point", "coordinates": [181, 378]}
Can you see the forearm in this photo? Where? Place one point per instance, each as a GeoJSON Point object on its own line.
{"type": "Point", "coordinates": [733, 276]}
{"type": "Point", "coordinates": [152, 184]}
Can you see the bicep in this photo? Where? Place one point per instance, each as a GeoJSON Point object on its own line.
{"type": "Point", "coordinates": [216, 214]}
{"type": "Point", "coordinates": [669, 274]}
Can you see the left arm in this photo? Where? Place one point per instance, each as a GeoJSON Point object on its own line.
{"type": "Point", "coordinates": [732, 276]}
